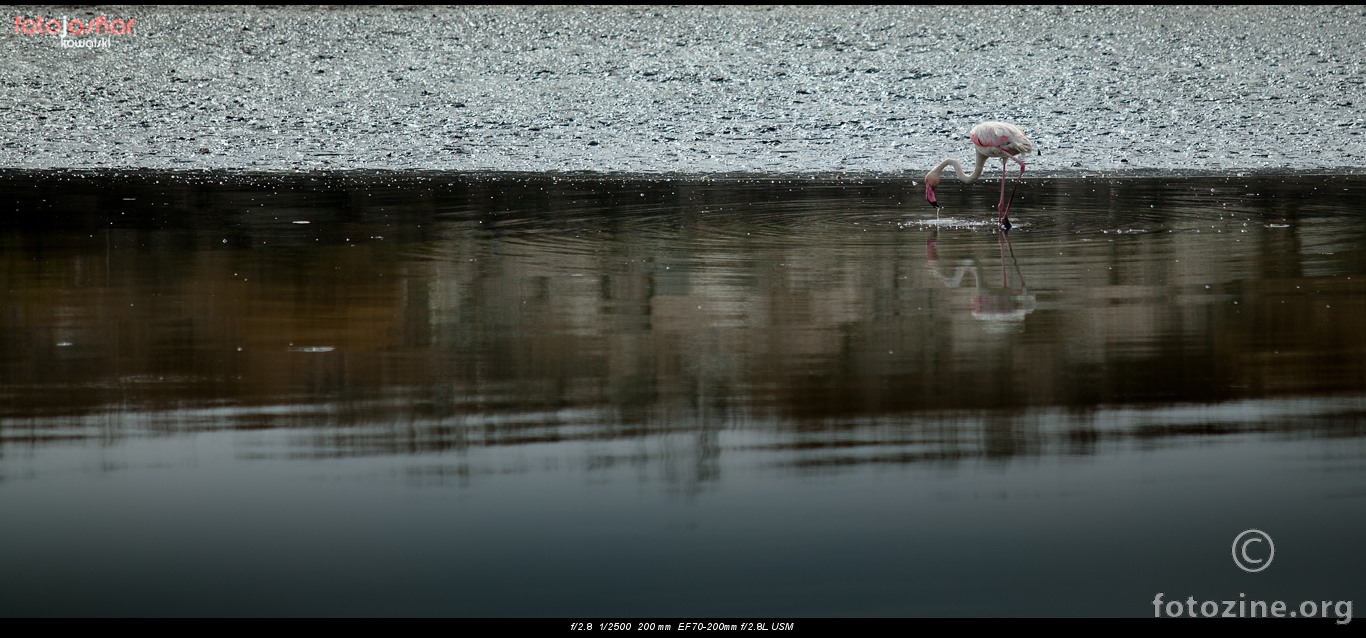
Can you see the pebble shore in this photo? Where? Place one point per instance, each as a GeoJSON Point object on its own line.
{"type": "Point", "coordinates": [683, 91]}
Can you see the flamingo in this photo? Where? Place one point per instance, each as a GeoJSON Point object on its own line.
{"type": "Point", "coordinates": [990, 139]}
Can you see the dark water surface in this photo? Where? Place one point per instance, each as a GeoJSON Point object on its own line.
{"type": "Point", "coordinates": [514, 396]}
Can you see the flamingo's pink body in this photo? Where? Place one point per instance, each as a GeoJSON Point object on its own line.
{"type": "Point", "coordinates": [990, 139]}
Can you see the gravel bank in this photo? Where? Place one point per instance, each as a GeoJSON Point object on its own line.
{"type": "Point", "coordinates": [659, 90]}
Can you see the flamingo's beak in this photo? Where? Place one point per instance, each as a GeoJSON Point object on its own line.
{"type": "Point", "coordinates": [929, 196]}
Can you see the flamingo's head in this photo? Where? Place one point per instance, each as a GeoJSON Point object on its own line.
{"type": "Point", "coordinates": [931, 180]}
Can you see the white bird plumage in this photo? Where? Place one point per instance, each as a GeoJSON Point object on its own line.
{"type": "Point", "coordinates": [989, 139]}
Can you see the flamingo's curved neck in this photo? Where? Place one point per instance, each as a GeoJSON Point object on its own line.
{"type": "Point", "coordinates": [962, 174]}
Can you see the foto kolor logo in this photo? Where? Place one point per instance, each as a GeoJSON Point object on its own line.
{"type": "Point", "coordinates": [1253, 550]}
{"type": "Point", "coordinates": [68, 30]}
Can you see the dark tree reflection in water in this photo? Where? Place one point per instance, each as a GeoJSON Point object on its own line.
{"type": "Point", "coordinates": [706, 347]}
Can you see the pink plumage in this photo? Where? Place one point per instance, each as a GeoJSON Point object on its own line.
{"type": "Point", "coordinates": [997, 139]}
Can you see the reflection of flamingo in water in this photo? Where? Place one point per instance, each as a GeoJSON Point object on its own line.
{"type": "Point", "coordinates": [991, 139]}
{"type": "Point", "coordinates": [1006, 306]}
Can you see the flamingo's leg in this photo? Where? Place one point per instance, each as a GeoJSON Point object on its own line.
{"type": "Point", "coordinates": [1017, 182]}
{"type": "Point", "coordinates": [1000, 205]}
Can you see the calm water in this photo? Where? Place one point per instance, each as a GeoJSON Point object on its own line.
{"type": "Point", "coordinates": [504, 396]}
